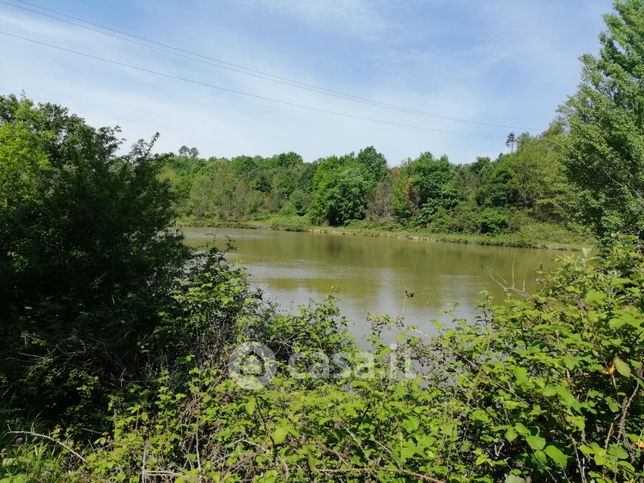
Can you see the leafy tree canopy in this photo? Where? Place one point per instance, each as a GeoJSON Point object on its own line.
{"type": "Point", "coordinates": [87, 249]}
{"type": "Point", "coordinates": [604, 152]}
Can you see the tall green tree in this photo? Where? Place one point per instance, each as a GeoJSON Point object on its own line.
{"type": "Point", "coordinates": [604, 153]}
{"type": "Point", "coordinates": [423, 186]}
{"type": "Point", "coordinates": [86, 254]}
{"type": "Point", "coordinates": [530, 179]}
{"type": "Point", "coordinates": [374, 162]}
{"type": "Point", "coordinates": [341, 189]}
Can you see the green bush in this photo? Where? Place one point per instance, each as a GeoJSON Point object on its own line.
{"type": "Point", "coordinates": [463, 219]}
{"type": "Point", "coordinates": [547, 388]}
{"type": "Point", "coordinates": [493, 221]}
{"type": "Point", "coordinates": [88, 252]}
{"type": "Point", "coordinates": [29, 459]}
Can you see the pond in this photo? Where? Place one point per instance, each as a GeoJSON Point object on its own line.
{"type": "Point", "coordinates": [375, 275]}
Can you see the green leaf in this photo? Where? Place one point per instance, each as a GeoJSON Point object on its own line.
{"type": "Point", "coordinates": [509, 404]}
{"type": "Point", "coordinates": [540, 456]}
{"type": "Point", "coordinates": [615, 323]}
{"type": "Point", "coordinates": [520, 373]}
{"type": "Point", "coordinates": [570, 361]}
{"type": "Point", "coordinates": [310, 457]}
{"type": "Point", "coordinates": [622, 367]}
{"type": "Point", "coordinates": [578, 421]}
{"type": "Point", "coordinates": [479, 415]}
{"type": "Point", "coordinates": [410, 423]}
{"type": "Point", "coordinates": [250, 406]}
{"type": "Point", "coordinates": [521, 429]}
{"type": "Point", "coordinates": [549, 390]}
{"type": "Point", "coordinates": [535, 441]}
{"type": "Point", "coordinates": [556, 455]}
{"type": "Point", "coordinates": [612, 405]}
{"type": "Point", "coordinates": [510, 434]}
{"type": "Point", "coordinates": [595, 296]}
{"type": "Point", "coordinates": [279, 435]}
{"type": "Point", "coordinates": [480, 460]}
{"type": "Point", "coordinates": [626, 465]}
{"type": "Point", "coordinates": [618, 452]}
{"type": "Point", "coordinates": [409, 450]}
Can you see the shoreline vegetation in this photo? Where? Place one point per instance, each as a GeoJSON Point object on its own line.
{"type": "Point", "coordinates": [560, 240]}
{"type": "Point", "coordinates": [527, 197]}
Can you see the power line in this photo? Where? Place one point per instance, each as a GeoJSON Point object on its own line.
{"type": "Point", "coordinates": [242, 93]}
{"type": "Point", "coordinates": [196, 57]}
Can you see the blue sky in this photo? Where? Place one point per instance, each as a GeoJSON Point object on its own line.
{"type": "Point", "coordinates": [494, 61]}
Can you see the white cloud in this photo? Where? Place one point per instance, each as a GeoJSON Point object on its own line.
{"type": "Point", "coordinates": [360, 18]}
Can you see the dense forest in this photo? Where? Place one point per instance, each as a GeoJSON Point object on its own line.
{"type": "Point", "coordinates": [526, 189]}
{"type": "Point", "coordinates": [116, 341]}
{"type": "Point", "coordinates": [535, 191]}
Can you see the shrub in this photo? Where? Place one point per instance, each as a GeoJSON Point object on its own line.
{"type": "Point", "coordinates": [547, 388]}
{"type": "Point", "coordinates": [494, 220]}
{"type": "Point", "coordinates": [87, 252]}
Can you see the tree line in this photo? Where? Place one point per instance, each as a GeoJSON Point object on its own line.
{"type": "Point", "coordinates": [486, 196]}
{"type": "Point", "coordinates": [539, 183]}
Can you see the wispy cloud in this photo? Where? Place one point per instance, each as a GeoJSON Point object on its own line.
{"type": "Point", "coordinates": [360, 18]}
{"type": "Point", "coordinates": [476, 62]}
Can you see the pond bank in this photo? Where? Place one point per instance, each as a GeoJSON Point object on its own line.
{"type": "Point", "coordinates": [295, 224]}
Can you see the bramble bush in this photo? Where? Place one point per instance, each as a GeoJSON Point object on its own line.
{"type": "Point", "coordinates": [546, 388]}
{"type": "Point", "coordinates": [551, 384]}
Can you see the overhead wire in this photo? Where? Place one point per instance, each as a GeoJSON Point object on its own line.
{"type": "Point", "coordinates": [242, 93]}
{"type": "Point", "coordinates": [219, 63]}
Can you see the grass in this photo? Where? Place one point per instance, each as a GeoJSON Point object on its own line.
{"type": "Point", "coordinates": [528, 235]}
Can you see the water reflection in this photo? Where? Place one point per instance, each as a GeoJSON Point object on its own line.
{"type": "Point", "coordinates": [370, 275]}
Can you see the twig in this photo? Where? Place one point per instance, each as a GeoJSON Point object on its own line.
{"type": "Point", "coordinates": [145, 453]}
{"type": "Point", "coordinates": [625, 405]}
{"type": "Point", "coordinates": [171, 474]}
{"type": "Point", "coordinates": [49, 438]}
{"type": "Point", "coordinates": [508, 289]}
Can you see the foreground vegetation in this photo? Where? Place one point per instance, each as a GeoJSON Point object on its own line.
{"type": "Point", "coordinates": [116, 340]}
{"type": "Point", "coordinates": [548, 387]}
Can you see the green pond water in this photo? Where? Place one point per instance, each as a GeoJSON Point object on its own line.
{"type": "Point", "coordinates": [370, 275]}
